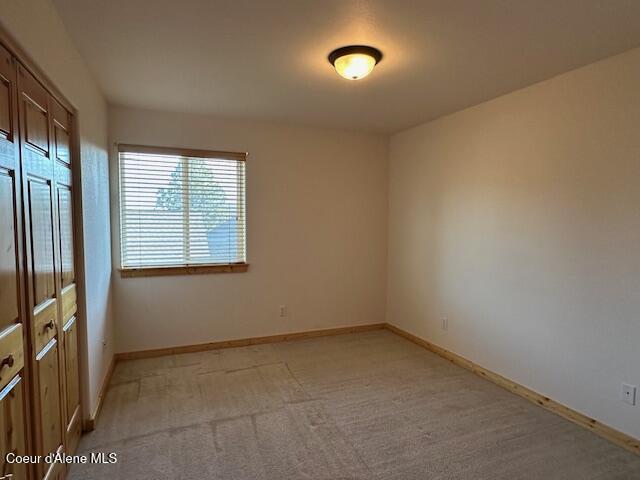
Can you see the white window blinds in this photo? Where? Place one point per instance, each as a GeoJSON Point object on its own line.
{"type": "Point", "coordinates": [181, 207]}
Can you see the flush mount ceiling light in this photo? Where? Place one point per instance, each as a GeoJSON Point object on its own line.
{"type": "Point", "coordinates": [355, 61]}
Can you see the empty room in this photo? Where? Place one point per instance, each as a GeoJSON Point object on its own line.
{"type": "Point", "coordinates": [329, 240]}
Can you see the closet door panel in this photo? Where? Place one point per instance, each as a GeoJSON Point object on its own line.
{"type": "Point", "coordinates": [61, 124]}
{"type": "Point", "coordinates": [65, 210]}
{"type": "Point", "coordinates": [34, 110]}
{"type": "Point", "coordinates": [71, 357]}
{"type": "Point", "coordinates": [48, 400]}
{"type": "Point", "coordinates": [69, 305]}
{"type": "Point", "coordinates": [43, 267]}
{"type": "Point", "coordinates": [11, 353]}
{"type": "Point", "coordinates": [6, 119]}
{"type": "Point", "coordinates": [10, 216]}
{"type": "Point", "coordinates": [8, 250]}
{"type": "Point", "coordinates": [7, 93]}
{"type": "Point", "coordinates": [62, 144]}
{"type": "Point", "coordinates": [45, 323]}
{"type": "Point", "coordinates": [72, 384]}
{"type": "Point", "coordinates": [13, 412]}
{"type": "Point", "coordinates": [39, 381]}
{"type": "Point", "coordinates": [41, 229]}
{"type": "Point", "coordinates": [12, 432]}
{"type": "Point", "coordinates": [36, 123]}
{"type": "Point", "coordinates": [61, 133]}
{"type": "Point", "coordinates": [46, 288]}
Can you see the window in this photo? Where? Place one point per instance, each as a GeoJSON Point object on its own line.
{"type": "Point", "coordinates": [181, 208]}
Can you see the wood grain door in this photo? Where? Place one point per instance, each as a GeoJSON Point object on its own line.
{"type": "Point", "coordinates": [12, 420]}
{"type": "Point", "coordinates": [13, 425]}
{"type": "Point", "coordinates": [66, 274]}
{"type": "Point", "coordinates": [42, 265]}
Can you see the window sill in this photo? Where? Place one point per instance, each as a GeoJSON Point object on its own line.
{"type": "Point", "coordinates": [183, 270]}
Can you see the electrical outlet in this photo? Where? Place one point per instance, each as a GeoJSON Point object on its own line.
{"type": "Point", "coordinates": [629, 393]}
{"type": "Point", "coordinates": [283, 311]}
{"type": "Point", "coordinates": [445, 323]}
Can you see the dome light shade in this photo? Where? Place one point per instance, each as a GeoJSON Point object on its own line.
{"type": "Point", "coordinates": [355, 61]}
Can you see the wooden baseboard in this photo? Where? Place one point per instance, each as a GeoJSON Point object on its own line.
{"type": "Point", "coordinates": [244, 342]}
{"type": "Point", "coordinates": [614, 436]}
{"type": "Point", "coordinates": [90, 423]}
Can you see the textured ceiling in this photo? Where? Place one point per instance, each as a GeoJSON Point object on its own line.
{"type": "Point", "coordinates": [267, 59]}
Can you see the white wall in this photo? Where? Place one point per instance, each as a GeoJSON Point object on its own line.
{"type": "Point", "coordinates": [36, 26]}
{"type": "Point", "coordinates": [317, 223]}
{"type": "Point", "coordinates": [519, 220]}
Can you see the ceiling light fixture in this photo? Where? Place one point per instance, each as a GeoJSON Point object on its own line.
{"type": "Point", "coordinates": [355, 61]}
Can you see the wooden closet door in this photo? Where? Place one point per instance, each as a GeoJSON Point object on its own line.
{"type": "Point", "coordinates": [41, 247]}
{"type": "Point", "coordinates": [14, 434]}
{"type": "Point", "coordinates": [61, 127]}
{"type": "Point", "coordinates": [13, 427]}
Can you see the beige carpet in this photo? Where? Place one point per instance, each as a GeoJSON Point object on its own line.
{"type": "Point", "coordinates": [361, 406]}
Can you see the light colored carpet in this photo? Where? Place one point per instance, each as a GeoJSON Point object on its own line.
{"type": "Point", "coordinates": [363, 406]}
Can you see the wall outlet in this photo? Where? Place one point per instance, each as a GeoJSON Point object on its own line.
{"type": "Point", "coordinates": [284, 311]}
{"type": "Point", "coordinates": [445, 323]}
{"type": "Point", "coordinates": [629, 393]}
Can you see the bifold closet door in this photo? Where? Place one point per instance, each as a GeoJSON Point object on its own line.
{"type": "Point", "coordinates": [41, 247]}
{"type": "Point", "coordinates": [61, 123]}
{"type": "Point", "coordinates": [13, 407]}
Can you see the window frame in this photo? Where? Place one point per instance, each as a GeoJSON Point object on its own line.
{"type": "Point", "coordinates": [182, 269]}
